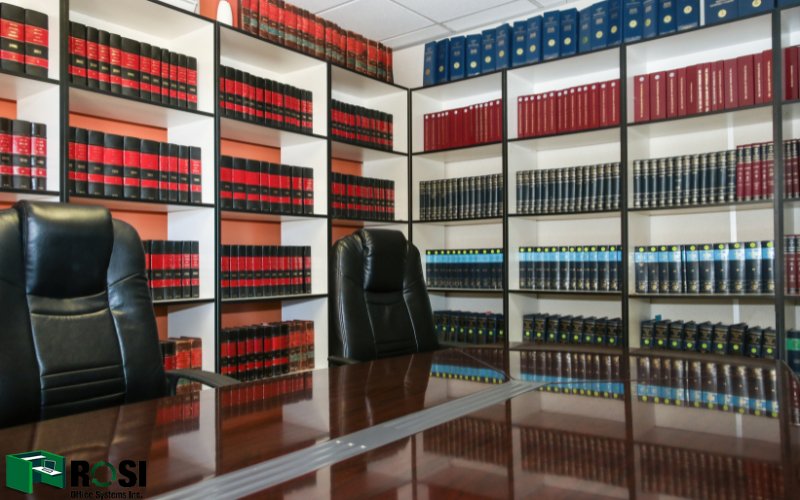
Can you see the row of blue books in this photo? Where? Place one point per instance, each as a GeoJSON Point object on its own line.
{"type": "Point", "coordinates": [568, 32]}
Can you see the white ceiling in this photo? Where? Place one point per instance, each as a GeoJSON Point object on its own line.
{"type": "Point", "coordinates": [402, 23]}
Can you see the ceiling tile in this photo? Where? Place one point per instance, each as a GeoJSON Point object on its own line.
{"type": "Point", "coordinates": [425, 34]}
{"type": "Point", "coordinates": [507, 11]}
{"type": "Point", "coordinates": [552, 3]}
{"type": "Point", "coordinates": [316, 6]}
{"type": "Point", "coordinates": [443, 10]}
{"type": "Point", "coordinates": [376, 19]}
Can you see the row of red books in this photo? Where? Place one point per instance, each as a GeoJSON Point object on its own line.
{"type": "Point", "coordinates": [25, 40]}
{"type": "Point", "coordinates": [296, 28]}
{"type": "Point", "coordinates": [356, 197]}
{"type": "Point", "coordinates": [703, 88]}
{"type": "Point", "coordinates": [115, 166]}
{"type": "Point", "coordinates": [256, 397]}
{"type": "Point", "coordinates": [23, 155]}
{"type": "Point", "coordinates": [248, 97]}
{"type": "Point", "coordinates": [267, 350]}
{"type": "Point", "coordinates": [260, 186]}
{"type": "Point", "coordinates": [465, 126]}
{"type": "Point", "coordinates": [173, 269]}
{"type": "Point", "coordinates": [791, 162]}
{"type": "Point", "coordinates": [250, 271]}
{"type": "Point", "coordinates": [755, 176]}
{"type": "Point", "coordinates": [178, 415]}
{"type": "Point", "coordinates": [112, 63]}
{"type": "Point", "coordinates": [583, 107]}
{"type": "Point", "coordinates": [361, 125]}
{"type": "Point", "coordinates": [180, 354]}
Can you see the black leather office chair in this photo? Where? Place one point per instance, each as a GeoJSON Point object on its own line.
{"type": "Point", "coordinates": [380, 305]}
{"type": "Point", "coordinates": [77, 329]}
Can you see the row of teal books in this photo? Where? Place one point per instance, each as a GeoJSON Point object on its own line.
{"type": "Point", "coordinates": [568, 32]}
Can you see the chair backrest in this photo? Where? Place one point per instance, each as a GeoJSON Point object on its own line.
{"type": "Point", "coordinates": [380, 305]}
{"type": "Point", "coordinates": [78, 331]}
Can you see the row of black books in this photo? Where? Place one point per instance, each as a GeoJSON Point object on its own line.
{"type": "Point", "coordinates": [594, 268]}
{"type": "Point", "coordinates": [707, 337]}
{"type": "Point", "coordinates": [25, 40]}
{"type": "Point", "coordinates": [483, 365]}
{"type": "Point", "coordinates": [267, 350]}
{"type": "Point", "coordinates": [23, 155]}
{"type": "Point", "coordinates": [260, 186]}
{"type": "Point", "coordinates": [580, 456]}
{"type": "Point", "coordinates": [743, 174]}
{"type": "Point", "coordinates": [250, 271]}
{"type": "Point", "coordinates": [457, 439]}
{"type": "Point", "coordinates": [248, 97]}
{"type": "Point", "coordinates": [360, 125]}
{"type": "Point", "coordinates": [589, 188]}
{"type": "Point", "coordinates": [480, 268]}
{"type": "Point", "coordinates": [262, 395]}
{"type": "Point", "coordinates": [792, 263]}
{"type": "Point", "coordinates": [115, 166]}
{"type": "Point", "coordinates": [469, 327]}
{"type": "Point", "coordinates": [285, 24]}
{"type": "Point", "coordinates": [583, 374]}
{"type": "Point", "coordinates": [183, 353]}
{"type": "Point", "coordinates": [713, 384]}
{"type": "Point", "coordinates": [356, 197]}
{"type": "Point", "coordinates": [689, 473]}
{"type": "Point", "coordinates": [461, 198]}
{"type": "Point", "coordinates": [543, 328]}
{"type": "Point", "coordinates": [173, 269]}
{"type": "Point", "coordinates": [706, 268]}
{"type": "Point", "coordinates": [112, 63]}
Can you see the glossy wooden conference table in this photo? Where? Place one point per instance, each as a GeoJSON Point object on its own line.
{"type": "Point", "coordinates": [554, 443]}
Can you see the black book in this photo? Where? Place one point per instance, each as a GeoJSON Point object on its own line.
{"type": "Point", "coordinates": [736, 340]}
{"type": "Point", "coordinates": [195, 282]}
{"type": "Point", "coordinates": [115, 63]}
{"type": "Point", "coordinates": [95, 165]}
{"type": "Point", "coordinates": [226, 182]}
{"type": "Point", "coordinates": [264, 202]}
{"type": "Point", "coordinates": [677, 336]}
{"type": "Point", "coordinates": [103, 60]}
{"type": "Point", "coordinates": [225, 271]}
{"type": "Point", "coordinates": [767, 267]}
{"type": "Point", "coordinates": [675, 269]}
{"type": "Point", "coordinates": [36, 43]}
{"type": "Point", "coordinates": [21, 154]}
{"type": "Point", "coordinates": [92, 58]}
{"type": "Point", "coordinates": [661, 334]}
{"type": "Point", "coordinates": [308, 191]}
{"type": "Point", "coordinates": [306, 254]}
{"type": "Point", "coordinates": [113, 178]}
{"type": "Point", "coordinates": [72, 179]}
{"type": "Point", "coordinates": [691, 334]}
{"type": "Point", "coordinates": [706, 266]}
{"type": "Point", "coordinates": [752, 276]}
{"type": "Point", "coordinates": [166, 76]}
{"type": "Point", "coordinates": [81, 161]}
{"type": "Point", "coordinates": [736, 268]}
{"type": "Point", "coordinates": [183, 97]}
{"type": "Point", "coordinates": [157, 266]}
{"type": "Point", "coordinates": [285, 176]}
{"type": "Point", "coordinates": [145, 71]}
{"type": "Point", "coordinates": [12, 38]}
{"type": "Point", "coordinates": [705, 336]}
{"type": "Point", "coordinates": [721, 339]}
{"type": "Point", "coordinates": [6, 169]}
{"type": "Point", "coordinates": [722, 279]}
{"type": "Point", "coordinates": [183, 174]}
{"type": "Point", "coordinates": [186, 268]}
{"type": "Point", "coordinates": [647, 332]}
{"type": "Point", "coordinates": [195, 175]}
{"type": "Point", "coordinates": [163, 172]}
{"type": "Point", "coordinates": [755, 342]}
{"type": "Point", "coordinates": [191, 82]}
{"type": "Point", "coordinates": [174, 173]}
{"type": "Point", "coordinates": [156, 88]}
{"type": "Point", "coordinates": [297, 189]}
{"type": "Point", "coordinates": [653, 272]}
{"type": "Point", "coordinates": [131, 168]}
{"type": "Point", "coordinates": [130, 67]}
{"type": "Point", "coordinates": [663, 269]}
{"type": "Point", "coordinates": [769, 349]}
{"type": "Point", "coordinates": [640, 270]}
{"type": "Point", "coordinates": [258, 271]}
{"type": "Point", "coordinates": [252, 187]}
{"type": "Point", "coordinates": [174, 82]}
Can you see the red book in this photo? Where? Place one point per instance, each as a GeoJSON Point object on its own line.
{"type": "Point", "coordinates": [641, 98]}
{"type": "Point", "coordinates": [605, 104]}
{"type": "Point", "coordinates": [708, 88]}
{"type": "Point", "coordinates": [745, 80]}
{"type": "Point", "coordinates": [759, 92]}
{"type": "Point", "coordinates": [36, 43]}
{"type": "Point", "coordinates": [538, 115]}
{"type": "Point", "coordinates": [740, 173]}
{"type": "Point", "coordinates": [683, 95]}
{"type": "Point", "coordinates": [614, 101]}
{"type": "Point", "coordinates": [758, 179]}
{"type": "Point", "coordinates": [497, 120]}
{"type": "Point", "coordinates": [572, 104]}
{"type": "Point", "coordinates": [766, 74]}
{"type": "Point", "coordinates": [730, 96]}
{"type": "Point", "coordinates": [426, 132]}
{"type": "Point", "coordinates": [790, 80]}
{"type": "Point", "coordinates": [21, 154]}
{"type": "Point", "coordinates": [691, 90]}
{"type": "Point", "coordinates": [551, 112]}
{"type": "Point", "coordinates": [594, 105]}
{"type": "Point", "coordinates": [586, 116]}
{"type": "Point", "coordinates": [747, 190]}
{"type": "Point", "coordinates": [561, 114]}
{"type": "Point", "coordinates": [718, 81]}
{"type": "Point", "coordinates": [580, 112]}
{"type": "Point", "coordinates": [672, 93]}
{"type": "Point", "coordinates": [521, 117]}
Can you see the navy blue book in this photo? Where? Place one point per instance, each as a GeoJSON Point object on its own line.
{"type": "Point", "coordinates": [666, 16]}
{"type": "Point", "coordinates": [551, 26]}
{"type": "Point", "coordinates": [473, 59]}
{"type": "Point", "coordinates": [750, 7]}
{"type": "Point", "coordinates": [614, 22]}
{"type": "Point", "coordinates": [600, 25]}
{"type": "Point", "coordinates": [569, 32]}
{"type": "Point", "coordinates": [718, 11]}
{"type": "Point", "coordinates": [457, 57]}
{"type": "Point", "coordinates": [534, 51]}
{"type": "Point", "coordinates": [632, 21]}
{"type": "Point", "coordinates": [788, 3]}
{"type": "Point", "coordinates": [429, 66]}
{"type": "Point", "coordinates": [502, 46]}
{"type": "Point", "coordinates": [585, 30]}
{"type": "Point", "coordinates": [688, 14]}
{"type": "Point", "coordinates": [649, 18]}
{"type": "Point", "coordinates": [487, 51]}
{"type": "Point", "coordinates": [520, 40]}
{"type": "Point", "coordinates": [442, 60]}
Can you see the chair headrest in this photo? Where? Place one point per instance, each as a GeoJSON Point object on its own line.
{"type": "Point", "coordinates": [385, 254]}
{"type": "Point", "coordinates": [67, 248]}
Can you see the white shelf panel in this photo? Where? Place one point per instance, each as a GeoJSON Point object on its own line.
{"type": "Point", "coordinates": [158, 20]}
{"type": "Point", "coordinates": [463, 89]}
{"type": "Point", "coordinates": [361, 86]}
{"type": "Point", "coordinates": [266, 136]}
{"type": "Point", "coordinates": [696, 124]}
{"type": "Point", "coordinates": [120, 108]}
{"type": "Point", "coordinates": [352, 152]}
{"type": "Point", "coordinates": [480, 152]}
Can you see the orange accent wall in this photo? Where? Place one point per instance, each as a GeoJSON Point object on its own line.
{"type": "Point", "coordinates": [250, 151]}
{"type": "Point", "coordinates": [250, 313]}
{"type": "Point", "coordinates": [346, 166]}
{"type": "Point", "coordinates": [118, 127]}
{"type": "Point", "coordinates": [162, 319]}
{"type": "Point", "coordinates": [8, 109]}
{"type": "Point", "coordinates": [237, 232]}
{"type": "Point", "coordinates": [339, 232]}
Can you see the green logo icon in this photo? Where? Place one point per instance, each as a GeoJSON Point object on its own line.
{"type": "Point", "coordinates": [23, 470]}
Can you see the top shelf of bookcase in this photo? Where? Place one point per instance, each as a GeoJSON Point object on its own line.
{"type": "Point", "coordinates": [361, 86]}
{"type": "Point", "coordinates": [150, 17]}
{"type": "Point", "coordinates": [491, 83]}
{"type": "Point", "coordinates": [254, 51]}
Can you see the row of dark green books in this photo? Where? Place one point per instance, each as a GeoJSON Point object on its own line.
{"type": "Point", "coordinates": [470, 268]}
{"type": "Point", "coordinates": [461, 198]}
{"type": "Point", "coordinates": [580, 456]}
{"type": "Point", "coordinates": [593, 268]}
{"type": "Point", "coordinates": [707, 337]}
{"type": "Point", "coordinates": [484, 365]}
{"type": "Point", "coordinates": [457, 439]}
{"type": "Point", "coordinates": [542, 328]}
{"type": "Point", "coordinates": [589, 188]}
{"type": "Point", "coordinates": [706, 268]}
{"type": "Point", "coordinates": [714, 384]}
{"type": "Point", "coordinates": [584, 374]}
{"type": "Point", "coordinates": [469, 327]}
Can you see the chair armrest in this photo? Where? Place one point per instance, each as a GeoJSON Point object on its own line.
{"type": "Point", "coordinates": [206, 378]}
{"type": "Point", "coordinates": [340, 361]}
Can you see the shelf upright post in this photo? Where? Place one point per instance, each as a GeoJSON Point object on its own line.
{"type": "Point", "coordinates": [623, 205]}
{"type": "Point", "coordinates": [409, 183]}
{"type": "Point", "coordinates": [778, 184]}
{"type": "Point", "coordinates": [506, 184]}
{"type": "Point", "coordinates": [329, 187]}
{"type": "Point", "coordinates": [217, 205]}
{"type": "Point", "coordinates": [63, 92]}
